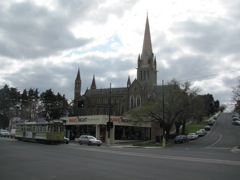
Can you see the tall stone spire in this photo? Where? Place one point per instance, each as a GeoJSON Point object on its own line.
{"type": "Point", "coordinates": [93, 86]}
{"type": "Point", "coordinates": [78, 83]}
{"type": "Point", "coordinates": [147, 44]}
{"type": "Point", "coordinates": [147, 65]}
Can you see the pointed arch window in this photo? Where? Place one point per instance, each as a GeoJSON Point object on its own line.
{"type": "Point", "coordinates": [138, 103]}
{"type": "Point", "coordinates": [132, 102]}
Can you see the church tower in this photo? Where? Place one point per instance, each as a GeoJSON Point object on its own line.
{"type": "Point", "coordinates": [77, 89]}
{"type": "Point", "coordinates": [147, 65]}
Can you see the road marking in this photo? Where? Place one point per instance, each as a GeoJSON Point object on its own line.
{"type": "Point", "coordinates": [215, 142]}
{"type": "Point", "coordinates": [224, 148]}
{"type": "Point", "coordinates": [167, 157]}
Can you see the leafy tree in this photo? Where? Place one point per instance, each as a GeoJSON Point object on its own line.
{"type": "Point", "coordinates": [29, 104]}
{"type": "Point", "coordinates": [222, 107]}
{"type": "Point", "coordinates": [54, 106]}
{"type": "Point", "coordinates": [9, 104]}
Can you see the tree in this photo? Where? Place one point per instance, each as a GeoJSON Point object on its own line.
{"type": "Point", "coordinates": [170, 106]}
{"type": "Point", "coordinates": [236, 96]}
{"type": "Point", "coordinates": [29, 104]}
{"type": "Point", "coordinates": [54, 106]}
{"type": "Point", "coordinates": [9, 104]}
{"type": "Point", "coordinates": [222, 107]}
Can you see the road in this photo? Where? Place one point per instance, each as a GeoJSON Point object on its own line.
{"type": "Point", "coordinates": [209, 157]}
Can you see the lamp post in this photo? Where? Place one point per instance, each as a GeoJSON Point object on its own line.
{"type": "Point", "coordinates": [163, 141]}
{"type": "Point", "coordinates": [109, 117]}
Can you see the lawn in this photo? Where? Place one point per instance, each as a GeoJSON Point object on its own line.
{"type": "Point", "coordinates": [193, 127]}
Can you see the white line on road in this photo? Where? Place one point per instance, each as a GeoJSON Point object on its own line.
{"type": "Point", "coordinates": [215, 142]}
{"type": "Point", "coordinates": [179, 158]}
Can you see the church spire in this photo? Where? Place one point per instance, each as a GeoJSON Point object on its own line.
{"type": "Point", "coordinates": [147, 43]}
{"type": "Point", "coordinates": [128, 82]}
{"type": "Point", "coordinates": [147, 65]}
{"type": "Point", "coordinates": [78, 83]}
{"type": "Point", "coordinates": [78, 75]}
{"type": "Point", "coordinates": [93, 86]}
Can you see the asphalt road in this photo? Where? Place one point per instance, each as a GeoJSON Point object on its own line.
{"type": "Point", "coordinates": [210, 157]}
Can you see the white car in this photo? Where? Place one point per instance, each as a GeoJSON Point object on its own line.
{"type": "Point", "coordinates": [192, 136]}
{"type": "Point", "coordinates": [4, 133]}
{"type": "Point", "coordinates": [66, 140]}
{"type": "Point", "coordinates": [237, 123]}
{"type": "Point", "coordinates": [89, 140]}
{"type": "Point", "coordinates": [201, 132]}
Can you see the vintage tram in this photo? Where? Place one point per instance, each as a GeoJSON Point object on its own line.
{"type": "Point", "coordinates": [45, 132]}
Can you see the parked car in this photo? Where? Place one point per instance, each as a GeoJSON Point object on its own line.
{"type": "Point", "coordinates": [236, 119]}
{"type": "Point", "coordinates": [211, 122]}
{"type": "Point", "coordinates": [180, 139]}
{"type": "Point", "coordinates": [207, 128]}
{"type": "Point", "coordinates": [66, 140]}
{"type": "Point", "coordinates": [192, 136]}
{"type": "Point", "coordinates": [237, 123]}
{"type": "Point", "coordinates": [89, 140]}
{"type": "Point", "coordinates": [201, 132]}
{"type": "Point", "coordinates": [4, 133]}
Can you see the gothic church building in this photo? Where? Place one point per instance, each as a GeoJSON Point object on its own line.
{"type": "Point", "coordinates": [122, 99]}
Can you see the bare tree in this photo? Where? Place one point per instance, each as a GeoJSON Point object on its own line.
{"type": "Point", "coordinates": [236, 96]}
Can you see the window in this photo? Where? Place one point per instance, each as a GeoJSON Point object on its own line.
{"type": "Point", "coordinates": [138, 100]}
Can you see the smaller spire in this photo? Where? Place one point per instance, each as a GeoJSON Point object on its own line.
{"type": "Point", "coordinates": [128, 82]}
{"type": "Point", "coordinates": [93, 86]}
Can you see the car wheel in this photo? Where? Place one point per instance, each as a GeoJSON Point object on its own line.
{"type": "Point", "coordinates": [99, 144]}
{"type": "Point", "coordinates": [80, 142]}
{"type": "Point", "coordinates": [89, 143]}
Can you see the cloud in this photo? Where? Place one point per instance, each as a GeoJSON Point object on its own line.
{"type": "Point", "coordinates": [43, 43]}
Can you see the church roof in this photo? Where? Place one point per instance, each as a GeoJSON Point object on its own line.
{"type": "Point", "coordinates": [105, 92]}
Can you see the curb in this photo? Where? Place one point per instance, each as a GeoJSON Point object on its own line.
{"type": "Point", "coordinates": [235, 149]}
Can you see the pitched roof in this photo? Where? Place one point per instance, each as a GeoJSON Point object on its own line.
{"type": "Point", "coordinates": [105, 92]}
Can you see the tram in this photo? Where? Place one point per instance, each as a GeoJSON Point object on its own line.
{"type": "Point", "coordinates": [45, 132]}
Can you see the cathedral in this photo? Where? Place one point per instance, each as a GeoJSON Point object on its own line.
{"type": "Point", "coordinates": [121, 100]}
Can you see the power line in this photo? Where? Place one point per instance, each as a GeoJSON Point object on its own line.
{"type": "Point", "coordinates": [206, 76]}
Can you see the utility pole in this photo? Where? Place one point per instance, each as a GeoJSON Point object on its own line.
{"type": "Point", "coordinates": [163, 141]}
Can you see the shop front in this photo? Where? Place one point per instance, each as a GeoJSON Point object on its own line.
{"type": "Point", "coordinates": [123, 130]}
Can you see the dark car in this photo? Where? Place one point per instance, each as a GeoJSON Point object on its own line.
{"type": "Point", "coordinates": [180, 139]}
{"type": "Point", "coordinates": [207, 128]}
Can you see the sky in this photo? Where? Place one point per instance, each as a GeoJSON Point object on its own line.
{"type": "Point", "coordinates": [44, 43]}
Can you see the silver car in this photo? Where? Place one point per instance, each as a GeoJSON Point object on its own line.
{"type": "Point", "coordinates": [89, 140]}
{"type": "Point", "coordinates": [192, 136]}
{"type": "Point", "coordinates": [4, 133]}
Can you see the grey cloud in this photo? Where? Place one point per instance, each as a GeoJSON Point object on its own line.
{"type": "Point", "coordinates": [31, 32]}
{"type": "Point", "coordinates": [213, 37]}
